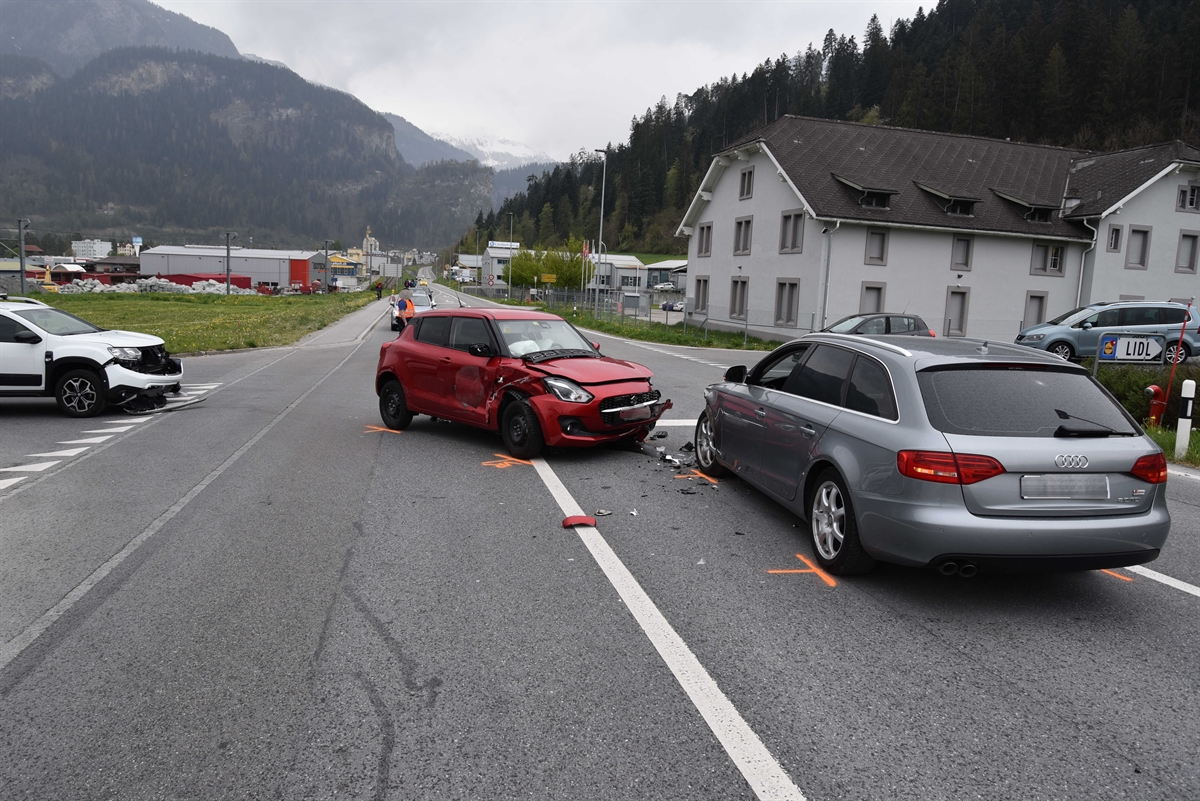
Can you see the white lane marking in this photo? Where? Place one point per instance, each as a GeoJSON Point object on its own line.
{"type": "Point", "coordinates": [116, 430]}
{"type": "Point", "coordinates": [8, 482]}
{"type": "Point", "coordinates": [13, 648]}
{"type": "Point", "coordinates": [200, 386]}
{"type": "Point", "coordinates": [1185, 475]}
{"type": "Point", "coordinates": [68, 452]}
{"type": "Point", "coordinates": [680, 423]}
{"type": "Point", "coordinates": [764, 774]}
{"type": "Point", "coordinates": [28, 468]}
{"type": "Point", "coordinates": [89, 441]}
{"type": "Point", "coordinates": [1162, 578]}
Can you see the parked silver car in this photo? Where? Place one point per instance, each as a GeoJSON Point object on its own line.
{"type": "Point", "coordinates": [951, 453]}
{"type": "Point", "coordinates": [1076, 334]}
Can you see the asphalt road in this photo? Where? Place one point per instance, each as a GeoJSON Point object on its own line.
{"type": "Point", "coordinates": [267, 596]}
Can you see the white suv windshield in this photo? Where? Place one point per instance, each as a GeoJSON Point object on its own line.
{"type": "Point", "coordinates": [55, 321]}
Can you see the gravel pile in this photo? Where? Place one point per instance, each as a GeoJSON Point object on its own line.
{"type": "Point", "coordinates": [151, 284]}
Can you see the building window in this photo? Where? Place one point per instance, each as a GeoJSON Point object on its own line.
{"type": "Point", "coordinates": [746, 190]}
{"type": "Point", "coordinates": [961, 208]}
{"type": "Point", "coordinates": [1189, 198]}
{"type": "Point", "coordinates": [1137, 256]}
{"type": "Point", "coordinates": [1047, 259]}
{"type": "Point", "coordinates": [957, 306]}
{"type": "Point", "coordinates": [877, 246]}
{"type": "Point", "coordinates": [1114, 238]}
{"type": "Point", "coordinates": [1039, 215]}
{"type": "Point", "coordinates": [1035, 309]}
{"type": "Point", "coordinates": [704, 240]}
{"type": "Point", "coordinates": [1186, 256]}
{"type": "Point", "coordinates": [875, 200]}
{"type": "Point", "coordinates": [737, 297]}
{"type": "Point", "coordinates": [791, 232]}
{"type": "Point", "coordinates": [701, 299]}
{"type": "Point", "coordinates": [631, 280]}
{"type": "Point", "coordinates": [787, 301]}
{"type": "Point", "coordinates": [871, 298]}
{"type": "Point", "coordinates": [741, 236]}
{"type": "Point", "coordinates": [961, 256]}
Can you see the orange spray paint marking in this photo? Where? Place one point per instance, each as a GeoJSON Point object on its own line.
{"type": "Point", "coordinates": [825, 577]}
{"type": "Point", "coordinates": [1117, 575]}
{"type": "Point", "coordinates": [502, 461]}
{"type": "Point", "coordinates": [371, 429]}
{"type": "Point", "coordinates": [698, 474]}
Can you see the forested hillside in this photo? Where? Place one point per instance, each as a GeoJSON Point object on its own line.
{"type": "Point", "coordinates": [168, 143]}
{"type": "Point", "coordinates": [1092, 74]}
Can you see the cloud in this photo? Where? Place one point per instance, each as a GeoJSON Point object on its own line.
{"type": "Point", "coordinates": [556, 76]}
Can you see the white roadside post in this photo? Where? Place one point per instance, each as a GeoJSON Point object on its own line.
{"type": "Point", "coordinates": [1184, 431]}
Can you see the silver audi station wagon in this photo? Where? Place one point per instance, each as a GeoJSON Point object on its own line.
{"type": "Point", "coordinates": [957, 454]}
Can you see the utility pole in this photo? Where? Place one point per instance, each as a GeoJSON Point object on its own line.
{"type": "Point", "coordinates": [508, 289]}
{"type": "Point", "coordinates": [229, 236]}
{"type": "Point", "coordinates": [600, 241]}
{"type": "Point", "coordinates": [22, 226]}
{"type": "Point", "coordinates": [327, 241]}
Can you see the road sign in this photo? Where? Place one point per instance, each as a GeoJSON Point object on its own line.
{"type": "Point", "coordinates": [137, 240]}
{"type": "Point", "coordinates": [549, 278]}
{"type": "Point", "coordinates": [491, 279]}
{"type": "Point", "coordinates": [1131, 348]}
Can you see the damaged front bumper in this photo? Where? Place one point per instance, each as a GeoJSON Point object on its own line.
{"type": "Point", "coordinates": [125, 385]}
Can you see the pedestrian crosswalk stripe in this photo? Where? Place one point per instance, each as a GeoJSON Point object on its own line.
{"type": "Point", "coordinates": [68, 452]}
{"type": "Point", "coordinates": [28, 468]}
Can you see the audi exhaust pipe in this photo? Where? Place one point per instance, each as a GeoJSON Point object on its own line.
{"type": "Point", "coordinates": [968, 570]}
{"type": "Point", "coordinates": [948, 568]}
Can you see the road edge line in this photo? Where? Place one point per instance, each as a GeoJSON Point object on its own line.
{"type": "Point", "coordinates": [761, 770]}
{"type": "Point", "coordinates": [1163, 578]}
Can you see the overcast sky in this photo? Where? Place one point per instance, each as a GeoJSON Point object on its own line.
{"type": "Point", "coordinates": [555, 76]}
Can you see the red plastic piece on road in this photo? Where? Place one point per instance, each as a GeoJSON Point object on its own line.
{"type": "Point", "coordinates": [578, 520]}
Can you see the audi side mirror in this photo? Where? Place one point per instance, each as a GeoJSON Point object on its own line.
{"type": "Point", "coordinates": [27, 337]}
{"type": "Point", "coordinates": [481, 349]}
{"type": "Point", "coordinates": [736, 374]}
{"type": "Point", "coordinates": [1087, 326]}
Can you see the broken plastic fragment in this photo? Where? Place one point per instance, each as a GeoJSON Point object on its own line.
{"type": "Point", "coordinates": [602, 513]}
{"type": "Point", "coordinates": [700, 562]}
{"type": "Point", "coordinates": [687, 447]}
{"type": "Point", "coordinates": [633, 512]}
{"type": "Point", "coordinates": [578, 520]}
{"type": "Point", "coordinates": [660, 434]}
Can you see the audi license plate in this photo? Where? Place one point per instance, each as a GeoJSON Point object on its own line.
{"type": "Point", "coordinates": [1065, 487]}
{"type": "Point", "coordinates": [639, 413]}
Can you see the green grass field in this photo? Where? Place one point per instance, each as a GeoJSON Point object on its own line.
{"type": "Point", "coordinates": [193, 323]}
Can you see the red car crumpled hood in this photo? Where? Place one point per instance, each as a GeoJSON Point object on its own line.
{"type": "Point", "coordinates": [594, 371]}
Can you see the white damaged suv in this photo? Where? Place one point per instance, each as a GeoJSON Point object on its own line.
{"type": "Point", "coordinates": [47, 352]}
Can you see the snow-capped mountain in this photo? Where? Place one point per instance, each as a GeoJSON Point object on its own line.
{"type": "Point", "coordinates": [499, 154]}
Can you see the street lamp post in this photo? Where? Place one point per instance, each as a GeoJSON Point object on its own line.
{"type": "Point", "coordinates": [229, 237]}
{"type": "Point", "coordinates": [600, 240]}
{"type": "Point", "coordinates": [22, 227]}
{"type": "Point", "coordinates": [508, 288]}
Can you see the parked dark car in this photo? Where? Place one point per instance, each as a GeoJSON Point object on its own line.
{"type": "Point", "coordinates": [529, 375]}
{"type": "Point", "coordinates": [951, 453]}
{"type": "Point", "coordinates": [882, 323]}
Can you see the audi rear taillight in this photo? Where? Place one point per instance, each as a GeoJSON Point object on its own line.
{"type": "Point", "coordinates": [947, 468]}
{"type": "Point", "coordinates": [1151, 469]}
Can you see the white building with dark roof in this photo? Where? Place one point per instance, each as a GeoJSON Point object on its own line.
{"type": "Point", "coordinates": [810, 220]}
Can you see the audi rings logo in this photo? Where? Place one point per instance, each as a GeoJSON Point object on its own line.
{"type": "Point", "coordinates": [1069, 462]}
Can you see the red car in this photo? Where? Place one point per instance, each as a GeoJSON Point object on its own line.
{"type": "Point", "coordinates": [530, 375]}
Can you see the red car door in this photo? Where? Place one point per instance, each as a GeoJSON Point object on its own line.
{"type": "Point", "coordinates": [423, 364]}
{"type": "Point", "coordinates": [467, 380]}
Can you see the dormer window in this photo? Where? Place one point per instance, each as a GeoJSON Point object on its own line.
{"type": "Point", "coordinates": [875, 200]}
{"type": "Point", "coordinates": [962, 208]}
{"type": "Point", "coordinates": [1040, 215]}
{"type": "Point", "coordinates": [954, 203]}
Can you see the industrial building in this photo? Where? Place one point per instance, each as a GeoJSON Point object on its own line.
{"type": "Point", "coordinates": [275, 268]}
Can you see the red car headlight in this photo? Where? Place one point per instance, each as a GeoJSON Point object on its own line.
{"type": "Point", "coordinates": [566, 390]}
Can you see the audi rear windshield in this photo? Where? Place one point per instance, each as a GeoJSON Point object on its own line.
{"type": "Point", "coordinates": [1020, 401]}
